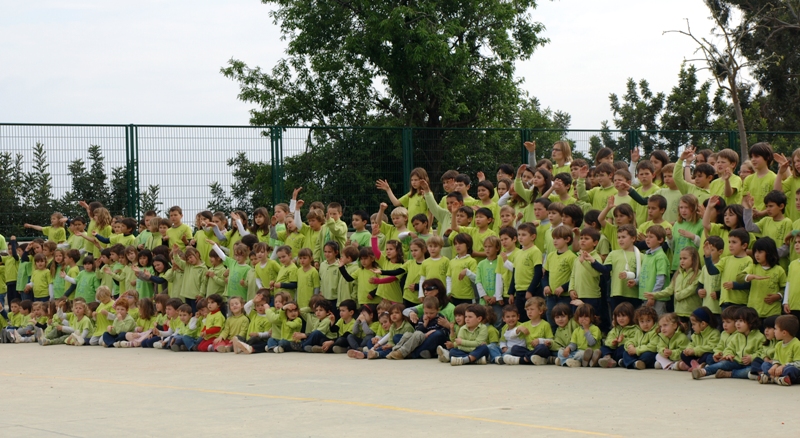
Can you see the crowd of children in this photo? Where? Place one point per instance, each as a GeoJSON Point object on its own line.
{"type": "Point", "coordinates": [682, 266]}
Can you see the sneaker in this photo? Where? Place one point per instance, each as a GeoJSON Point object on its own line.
{"type": "Point", "coordinates": [658, 366]}
{"type": "Point", "coordinates": [606, 362]}
{"type": "Point", "coordinates": [123, 344]}
{"type": "Point", "coordinates": [595, 358]}
{"type": "Point", "coordinates": [764, 378]}
{"type": "Point", "coordinates": [752, 376]}
{"type": "Point", "coordinates": [44, 341]}
{"type": "Point", "coordinates": [551, 360]}
{"type": "Point", "coordinates": [425, 354]}
{"type": "Point", "coordinates": [481, 361]}
{"type": "Point", "coordinates": [372, 354]}
{"type": "Point", "coordinates": [621, 363]}
{"type": "Point", "coordinates": [244, 347]}
{"type": "Point", "coordinates": [338, 350]}
{"type": "Point", "coordinates": [355, 354]}
{"type": "Point", "coordinates": [278, 349]}
{"type": "Point", "coordinates": [317, 349]}
{"type": "Point", "coordinates": [587, 357]}
{"type": "Point", "coordinates": [40, 340]}
{"type": "Point", "coordinates": [456, 361]}
{"type": "Point", "coordinates": [680, 366]}
{"type": "Point", "coordinates": [116, 344]}
{"type": "Point", "coordinates": [444, 355]}
{"type": "Point", "coordinates": [185, 348]}
{"type": "Point", "coordinates": [557, 361]}
{"type": "Point", "coordinates": [499, 360]}
{"type": "Point", "coordinates": [396, 355]}
{"type": "Point", "coordinates": [221, 349]}
{"type": "Point", "coordinates": [39, 333]}
{"type": "Point", "coordinates": [640, 365]}
{"type": "Point", "coordinates": [175, 347]}
{"type": "Point", "coordinates": [572, 363]}
{"type": "Point", "coordinates": [510, 360]}
{"type": "Point", "coordinates": [697, 373]}
{"type": "Point", "coordinates": [308, 349]}
{"type": "Point", "coordinates": [784, 381]}
{"type": "Point", "coordinates": [79, 340]}
{"type": "Point", "coordinates": [70, 340]}
{"type": "Point", "coordinates": [158, 345]}
{"type": "Point", "coordinates": [722, 374]}
{"type": "Point", "coordinates": [694, 364]}
{"type": "Point", "coordinates": [538, 360]}
{"type": "Point", "coordinates": [14, 338]}
{"type": "Point", "coordinates": [235, 345]}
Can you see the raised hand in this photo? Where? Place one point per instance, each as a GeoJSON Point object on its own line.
{"type": "Point", "coordinates": [688, 153]}
{"type": "Point", "coordinates": [382, 184]}
{"type": "Point", "coordinates": [530, 146]}
{"type": "Point", "coordinates": [295, 192]}
{"type": "Point", "coordinates": [481, 176]}
{"type": "Point", "coordinates": [635, 156]}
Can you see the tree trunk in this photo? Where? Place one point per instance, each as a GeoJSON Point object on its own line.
{"type": "Point", "coordinates": [737, 108]}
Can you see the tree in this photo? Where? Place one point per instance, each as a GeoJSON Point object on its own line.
{"type": "Point", "coordinates": [37, 199]}
{"type": "Point", "coordinates": [220, 201]}
{"type": "Point", "coordinates": [440, 64]}
{"type": "Point", "coordinates": [722, 53]}
{"type": "Point", "coordinates": [118, 197]}
{"type": "Point", "coordinates": [11, 187]}
{"type": "Point", "coordinates": [148, 200]}
{"type": "Point", "coordinates": [639, 109]}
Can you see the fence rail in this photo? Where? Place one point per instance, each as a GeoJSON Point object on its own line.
{"type": "Point", "coordinates": [133, 168]}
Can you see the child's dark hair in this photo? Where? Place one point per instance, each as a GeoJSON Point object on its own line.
{"type": "Point", "coordinates": [626, 210]}
{"type": "Point", "coordinates": [763, 150]}
{"type": "Point", "coordinates": [185, 308]}
{"type": "Point", "coordinates": [704, 169]}
{"type": "Point", "coordinates": [467, 211]}
{"type": "Point", "coordinates": [398, 247]}
{"type": "Point", "coordinates": [486, 184]}
{"type": "Point", "coordinates": [324, 304]}
{"type": "Point", "coordinates": [606, 168]}
{"type": "Point", "coordinates": [583, 311]}
{"type": "Point", "coordinates": [658, 231]}
{"type": "Point", "coordinates": [349, 305]}
{"type": "Point", "coordinates": [175, 303]}
{"type": "Point", "coordinates": [768, 247]}
{"type": "Point", "coordinates": [658, 200]}
{"type": "Point", "coordinates": [216, 298]}
{"type": "Point", "coordinates": [490, 317]}
{"type": "Point", "coordinates": [777, 198]}
{"type": "Point", "coordinates": [574, 212]}
{"type": "Point", "coordinates": [477, 310]}
{"type": "Point", "coordinates": [544, 201]}
{"type": "Point", "coordinates": [485, 212]}
{"type": "Point", "coordinates": [769, 322]}
{"type": "Point", "coordinates": [529, 227]}
{"type": "Point", "coordinates": [603, 153]}
{"type": "Point", "coordinates": [305, 252]}
{"type": "Point", "coordinates": [363, 215]}
{"type": "Point", "coordinates": [742, 235]}
{"type": "Point", "coordinates": [592, 217]}
{"type": "Point", "coordinates": [430, 303]}
{"type": "Point", "coordinates": [510, 308]}
{"type": "Point", "coordinates": [788, 323]}
{"type": "Point", "coordinates": [565, 178]}
{"type": "Point", "coordinates": [460, 309]}
{"type": "Point", "coordinates": [627, 228]}
{"type": "Point", "coordinates": [563, 232]}
{"type": "Point", "coordinates": [561, 309]}
{"type": "Point", "coordinates": [645, 165]}
{"type": "Point", "coordinates": [623, 309]}
{"type": "Point", "coordinates": [645, 312]}
{"type": "Point", "coordinates": [704, 314]}
{"type": "Point", "coordinates": [749, 316]}
{"type": "Point", "coordinates": [463, 178]}
{"type": "Point", "coordinates": [716, 242]}
{"type": "Point", "coordinates": [509, 231]}
{"type": "Point", "coordinates": [147, 309]}
{"type": "Point", "coordinates": [250, 240]}
{"type": "Point", "coordinates": [146, 253]}
{"type": "Point", "coordinates": [420, 217]}
{"type": "Point", "coordinates": [334, 246]}
{"type": "Point", "coordinates": [738, 210]}
{"type": "Point", "coordinates": [729, 313]}
{"type": "Point", "coordinates": [26, 305]}
{"type": "Point", "coordinates": [556, 207]}
{"type": "Point", "coordinates": [464, 238]}
{"type": "Point", "coordinates": [367, 252]}
{"type": "Point", "coordinates": [264, 227]}
{"type": "Point", "coordinates": [591, 232]}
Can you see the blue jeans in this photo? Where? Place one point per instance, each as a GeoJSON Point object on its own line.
{"type": "Point", "coordinates": [26, 296]}
{"type": "Point", "coordinates": [728, 365]}
{"type": "Point", "coordinates": [272, 343]}
{"type": "Point", "coordinates": [189, 341]}
{"type": "Point", "coordinates": [437, 338]}
{"type": "Point", "coordinates": [526, 355]}
{"type": "Point", "coordinates": [109, 339]}
{"type": "Point", "coordinates": [288, 346]}
{"type": "Point", "coordinates": [707, 358]}
{"type": "Point", "coordinates": [3, 301]}
{"type": "Point", "coordinates": [42, 299]}
{"type": "Point", "coordinates": [479, 352]}
{"type": "Point", "coordinates": [494, 351]}
{"type": "Point", "coordinates": [629, 360]}
{"type": "Point", "coordinates": [315, 338]}
{"type": "Point", "coordinates": [615, 353]}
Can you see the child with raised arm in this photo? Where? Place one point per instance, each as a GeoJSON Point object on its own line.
{"type": "Point", "coordinates": [732, 218]}
{"type": "Point", "coordinates": [671, 341]}
{"type": "Point", "coordinates": [644, 171]}
{"type": "Point", "coordinates": [334, 229]}
{"type": "Point", "coordinates": [669, 191]}
{"type": "Point", "coordinates": [640, 351]}
{"type": "Point", "coordinates": [414, 200]}
{"type": "Point", "coordinates": [55, 232]}
{"type": "Point", "coordinates": [454, 200]}
{"type": "Point", "coordinates": [708, 287]}
{"type": "Point", "coordinates": [584, 281]}
{"type": "Point", "coordinates": [484, 219]}
{"type": "Point", "coordinates": [703, 175]}
{"type": "Point", "coordinates": [774, 225]}
{"type": "Point", "coordinates": [240, 273]}
{"type": "Point", "coordinates": [623, 215]}
{"type": "Point", "coordinates": [597, 196]}
{"type": "Point", "coordinates": [584, 345]}
{"type": "Point", "coordinates": [535, 333]}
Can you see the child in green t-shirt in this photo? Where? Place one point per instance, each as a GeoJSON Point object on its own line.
{"type": "Point", "coordinates": [655, 268]}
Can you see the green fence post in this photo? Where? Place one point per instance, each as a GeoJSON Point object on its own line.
{"type": "Point", "coordinates": [524, 135]}
{"type": "Point", "coordinates": [733, 143]}
{"type": "Point", "coordinates": [276, 140]}
{"type": "Point", "coordinates": [136, 187]}
{"type": "Point", "coordinates": [132, 171]}
{"type": "Point", "coordinates": [408, 157]}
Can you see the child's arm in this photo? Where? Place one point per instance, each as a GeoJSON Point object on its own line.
{"type": "Point", "coordinates": [712, 203]}
{"type": "Point", "coordinates": [602, 218]}
{"type": "Point", "coordinates": [381, 184]}
{"type": "Point", "coordinates": [520, 188]}
{"type": "Point", "coordinates": [33, 227]}
{"type": "Point", "coordinates": [498, 287]}
{"type": "Point", "coordinates": [239, 225]}
{"type": "Point", "coordinates": [749, 225]}
{"type": "Point", "coordinates": [217, 232]}
{"type": "Point", "coordinates": [219, 252]}
{"type": "Point", "coordinates": [677, 172]}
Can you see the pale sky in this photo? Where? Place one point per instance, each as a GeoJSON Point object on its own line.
{"type": "Point", "coordinates": [157, 62]}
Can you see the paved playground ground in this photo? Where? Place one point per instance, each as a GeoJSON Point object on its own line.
{"type": "Point", "coordinates": [90, 391]}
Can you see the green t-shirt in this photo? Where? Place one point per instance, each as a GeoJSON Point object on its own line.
{"type": "Point", "coordinates": [559, 268]}
{"type": "Point", "coordinates": [86, 285]}
{"type": "Point", "coordinates": [307, 281]}
{"type": "Point", "coordinates": [759, 289]}
{"type": "Point", "coordinates": [758, 187]}
{"type": "Point", "coordinates": [622, 261]}
{"type": "Point", "coordinates": [236, 275]}
{"type": "Point", "coordinates": [584, 279]}
{"type": "Point", "coordinates": [525, 262]}
{"type": "Point", "coordinates": [729, 268]}
{"type": "Point", "coordinates": [653, 264]}
{"type": "Point", "coordinates": [461, 289]}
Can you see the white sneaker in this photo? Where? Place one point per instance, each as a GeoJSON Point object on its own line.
{"type": "Point", "coordinates": [278, 349]}
{"type": "Point", "coordinates": [572, 363]}
{"type": "Point", "coordinates": [79, 340]}
{"type": "Point", "coordinates": [39, 333]}
{"type": "Point", "coordinates": [455, 361]}
{"type": "Point", "coordinates": [122, 344]}
{"type": "Point", "coordinates": [481, 361]}
{"type": "Point", "coordinates": [158, 345]}
{"type": "Point", "coordinates": [444, 355]}
{"type": "Point", "coordinates": [538, 360]}
{"type": "Point", "coordinates": [587, 356]}
{"type": "Point", "coordinates": [510, 360]}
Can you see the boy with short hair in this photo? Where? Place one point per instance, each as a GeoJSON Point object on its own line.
{"type": "Point", "coordinates": [334, 229]}
{"type": "Point", "coordinates": [655, 270]}
{"type": "Point", "coordinates": [708, 286]}
{"type": "Point", "coordinates": [730, 267]}
{"type": "Point", "coordinates": [454, 200]}
{"type": "Point", "coordinates": [470, 343]}
{"type": "Point", "coordinates": [592, 220]}
{"type": "Point", "coordinates": [774, 225]}
{"type": "Point", "coordinates": [344, 326]}
{"type": "Point", "coordinates": [584, 281]}
{"type": "Point", "coordinates": [360, 237]}
{"type": "Point", "coordinates": [179, 233]}
{"type": "Point", "coordinates": [435, 266]}
{"type": "Point", "coordinates": [504, 274]}
{"type": "Point", "coordinates": [541, 211]}
{"type": "Point", "coordinates": [759, 184]}
{"type": "Point", "coordinates": [656, 206]}
{"type": "Point", "coordinates": [785, 367]}
{"type": "Point", "coordinates": [703, 175]}
{"type": "Point", "coordinates": [729, 185]}
{"type": "Point", "coordinates": [527, 267]}
{"type": "Point", "coordinates": [597, 196]}
{"type": "Point", "coordinates": [478, 233]}
{"type": "Point", "coordinates": [560, 189]}
{"type": "Point", "coordinates": [623, 265]}
{"type": "Point", "coordinates": [670, 193]}
{"type": "Point", "coordinates": [558, 270]}
{"type": "Point", "coordinates": [645, 171]}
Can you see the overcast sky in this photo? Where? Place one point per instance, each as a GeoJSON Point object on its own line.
{"type": "Point", "coordinates": [158, 61]}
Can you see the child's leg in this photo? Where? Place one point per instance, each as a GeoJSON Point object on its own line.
{"type": "Point", "coordinates": [494, 352]}
{"type": "Point", "coordinates": [206, 345]}
{"type": "Point", "coordinates": [741, 372]}
{"type": "Point", "coordinates": [410, 342]}
{"type": "Point", "coordinates": [755, 366]}
{"type": "Point", "coordinates": [354, 342]}
{"type": "Point", "coordinates": [95, 340]}
{"type": "Point", "coordinates": [340, 345]}
{"type": "Point", "coordinates": [429, 345]}
{"type": "Point", "coordinates": [108, 340]}
{"type": "Point", "coordinates": [314, 339]}
{"type": "Point", "coordinates": [724, 365]}
{"type": "Point", "coordinates": [272, 343]}
{"type": "Point", "coordinates": [665, 362]}
{"type": "Point", "coordinates": [479, 352]}
{"type": "Point", "coordinates": [792, 373]}
{"type": "Point", "coordinates": [629, 360]}
{"type": "Point", "coordinates": [193, 303]}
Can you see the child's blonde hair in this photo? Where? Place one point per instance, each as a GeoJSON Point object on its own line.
{"type": "Point", "coordinates": [192, 251]}
{"type": "Point", "coordinates": [673, 318]}
{"type": "Point", "coordinates": [102, 293]}
{"type": "Point", "coordinates": [436, 241]}
{"type": "Point", "coordinates": [400, 212]}
{"type": "Point", "coordinates": [102, 217]}
{"type": "Point", "coordinates": [691, 201]}
{"type": "Point", "coordinates": [240, 249]}
{"type": "Point", "coordinates": [537, 302]}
